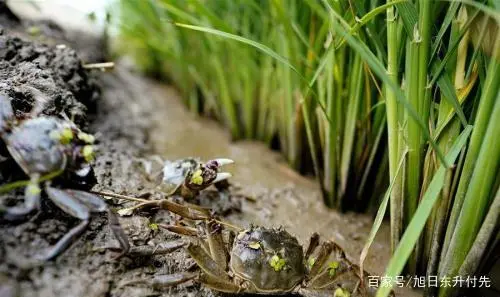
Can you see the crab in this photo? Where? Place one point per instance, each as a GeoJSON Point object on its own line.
{"type": "Point", "coordinates": [187, 177]}
{"type": "Point", "coordinates": [45, 147]}
{"type": "Point", "coordinates": [259, 260]}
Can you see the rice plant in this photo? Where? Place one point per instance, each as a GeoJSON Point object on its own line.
{"type": "Point", "coordinates": [266, 70]}
{"type": "Point", "coordinates": [360, 93]}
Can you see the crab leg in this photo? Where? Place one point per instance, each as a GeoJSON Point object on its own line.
{"type": "Point", "coordinates": [206, 263]}
{"type": "Point", "coordinates": [183, 211]}
{"type": "Point", "coordinates": [181, 230]}
{"type": "Point", "coordinates": [161, 249]}
{"type": "Point", "coordinates": [118, 232]}
{"type": "Point", "coordinates": [72, 207]}
{"type": "Point", "coordinates": [168, 280]}
{"type": "Point", "coordinates": [323, 255]}
{"type": "Point", "coordinates": [96, 204]}
{"type": "Point", "coordinates": [80, 204]}
{"type": "Point", "coordinates": [216, 244]}
{"type": "Point", "coordinates": [65, 241]}
{"type": "Point", "coordinates": [187, 231]}
{"type": "Point", "coordinates": [31, 202]}
{"type": "Point", "coordinates": [164, 280]}
{"type": "Point", "coordinates": [179, 209]}
{"type": "Point", "coordinates": [231, 235]}
{"type": "Point", "coordinates": [219, 284]}
{"type": "Point", "coordinates": [326, 279]}
{"type": "Point", "coordinates": [313, 244]}
{"type": "Point", "coordinates": [348, 280]}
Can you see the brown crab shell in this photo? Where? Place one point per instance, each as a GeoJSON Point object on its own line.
{"type": "Point", "coordinates": [252, 256]}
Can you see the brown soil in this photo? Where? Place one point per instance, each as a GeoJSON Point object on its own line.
{"type": "Point", "coordinates": [136, 118]}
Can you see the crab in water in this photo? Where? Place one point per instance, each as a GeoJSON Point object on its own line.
{"type": "Point", "coordinates": [45, 147]}
{"type": "Point", "coordinates": [260, 260]}
{"type": "Point", "coordinates": [187, 177]}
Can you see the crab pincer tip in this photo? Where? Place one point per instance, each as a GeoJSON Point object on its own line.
{"type": "Point", "coordinates": [223, 161]}
{"type": "Point", "coordinates": [222, 176]}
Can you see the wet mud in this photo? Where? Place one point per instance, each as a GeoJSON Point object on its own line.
{"type": "Point", "coordinates": [45, 80]}
{"type": "Point", "coordinates": [135, 118]}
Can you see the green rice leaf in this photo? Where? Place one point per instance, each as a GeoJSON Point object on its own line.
{"type": "Point", "coordinates": [450, 14]}
{"type": "Point", "coordinates": [368, 17]}
{"type": "Point", "coordinates": [379, 70]}
{"type": "Point", "coordinates": [409, 15]}
{"type": "Point", "coordinates": [263, 48]}
{"type": "Point", "coordinates": [414, 229]}
{"type": "Point", "coordinates": [380, 214]}
{"type": "Point", "coordinates": [450, 95]}
{"type": "Point", "coordinates": [484, 8]}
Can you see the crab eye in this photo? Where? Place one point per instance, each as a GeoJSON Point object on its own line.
{"type": "Point", "coordinates": [88, 153]}
{"type": "Point", "coordinates": [87, 138]}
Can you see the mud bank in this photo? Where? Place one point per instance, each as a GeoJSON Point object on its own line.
{"type": "Point", "coordinates": [135, 118]}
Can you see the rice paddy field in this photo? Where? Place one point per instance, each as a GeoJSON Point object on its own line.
{"type": "Point", "coordinates": [393, 106]}
{"type": "Point", "coordinates": [371, 124]}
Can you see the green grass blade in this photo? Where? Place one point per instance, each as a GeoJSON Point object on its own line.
{"type": "Point", "coordinates": [368, 17]}
{"type": "Point", "coordinates": [263, 48]}
{"type": "Point", "coordinates": [371, 159]}
{"type": "Point", "coordinates": [179, 13]}
{"type": "Point", "coordinates": [412, 233]}
{"type": "Point", "coordinates": [486, 104]}
{"type": "Point", "coordinates": [480, 6]}
{"type": "Point", "coordinates": [380, 214]}
{"type": "Point", "coordinates": [203, 9]}
{"type": "Point", "coordinates": [437, 70]}
{"type": "Point", "coordinates": [379, 70]}
{"type": "Point", "coordinates": [450, 94]}
{"type": "Point", "coordinates": [409, 15]}
{"type": "Point", "coordinates": [480, 245]}
{"type": "Point", "coordinates": [330, 151]}
{"type": "Point", "coordinates": [476, 199]}
{"type": "Point", "coordinates": [450, 14]}
{"type": "Point", "coordinates": [351, 118]}
{"type": "Point", "coordinates": [227, 103]}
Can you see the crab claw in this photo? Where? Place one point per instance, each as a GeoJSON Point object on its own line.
{"type": "Point", "coordinates": [207, 174]}
{"type": "Point", "coordinates": [215, 165]}
{"type": "Point", "coordinates": [221, 161]}
{"type": "Point", "coordinates": [222, 176]}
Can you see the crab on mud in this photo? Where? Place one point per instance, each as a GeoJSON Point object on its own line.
{"type": "Point", "coordinates": [45, 147]}
{"type": "Point", "coordinates": [260, 260]}
{"type": "Point", "coordinates": [187, 177]}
